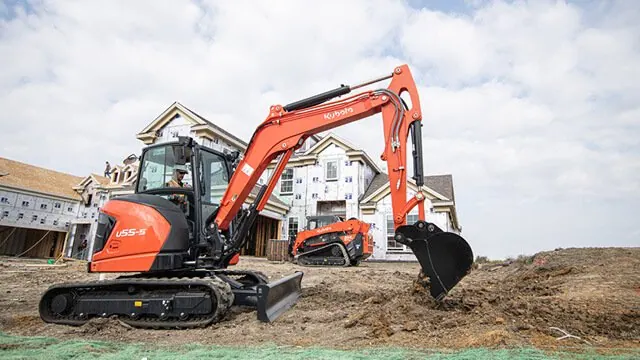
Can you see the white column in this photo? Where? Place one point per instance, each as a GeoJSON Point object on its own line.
{"type": "Point", "coordinates": [72, 237]}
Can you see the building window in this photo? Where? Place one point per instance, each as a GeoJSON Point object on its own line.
{"type": "Point", "coordinates": [348, 179]}
{"type": "Point", "coordinates": [286, 181]}
{"type": "Point", "coordinates": [20, 216]}
{"type": "Point", "coordinates": [314, 196]}
{"type": "Point", "coordinates": [298, 196]}
{"type": "Point", "coordinates": [43, 206]}
{"type": "Point", "coordinates": [347, 163]}
{"type": "Point", "coordinates": [34, 218]}
{"type": "Point", "coordinates": [347, 196]}
{"type": "Point", "coordinates": [57, 205]}
{"type": "Point", "coordinates": [69, 209]}
{"type": "Point", "coordinates": [391, 243]}
{"type": "Point", "coordinates": [293, 226]}
{"type": "Point", "coordinates": [25, 203]}
{"type": "Point", "coordinates": [298, 180]}
{"type": "Point", "coordinates": [5, 213]}
{"type": "Point", "coordinates": [316, 179]}
{"type": "Point", "coordinates": [55, 222]}
{"type": "Point", "coordinates": [42, 221]}
{"type": "Point", "coordinates": [4, 200]}
{"type": "Point", "coordinates": [331, 170]}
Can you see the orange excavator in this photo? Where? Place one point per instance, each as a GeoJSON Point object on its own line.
{"type": "Point", "coordinates": [186, 222]}
{"type": "Point", "coordinates": [329, 240]}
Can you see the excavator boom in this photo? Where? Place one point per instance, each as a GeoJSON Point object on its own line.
{"type": "Point", "coordinates": [287, 127]}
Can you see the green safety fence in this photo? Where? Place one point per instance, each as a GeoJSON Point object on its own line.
{"type": "Point", "coordinates": [18, 347]}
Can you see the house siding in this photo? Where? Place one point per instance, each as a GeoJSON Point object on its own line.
{"type": "Point", "coordinates": [18, 209]}
{"type": "Point", "coordinates": [312, 189]}
{"type": "Point", "coordinates": [380, 228]}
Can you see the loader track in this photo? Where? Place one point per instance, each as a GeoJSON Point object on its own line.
{"type": "Point", "coordinates": [306, 259]}
{"type": "Point", "coordinates": [61, 304]}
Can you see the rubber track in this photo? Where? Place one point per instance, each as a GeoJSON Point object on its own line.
{"type": "Point", "coordinates": [221, 289]}
{"type": "Point", "coordinates": [312, 262]}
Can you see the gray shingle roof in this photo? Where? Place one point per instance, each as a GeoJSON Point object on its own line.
{"type": "Point", "coordinates": [378, 181]}
{"type": "Point", "coordinates": [442, 184]}
{"type": "Point", "coordinates": [272, 198]}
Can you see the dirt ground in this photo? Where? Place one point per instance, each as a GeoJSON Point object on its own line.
{"type": "Point", "coordinates": [593, 294]}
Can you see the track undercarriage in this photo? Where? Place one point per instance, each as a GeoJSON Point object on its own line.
{"type": "Point", "coordinates": [163, 301]}
{"type": "Point", "coordinates": [334, 254]}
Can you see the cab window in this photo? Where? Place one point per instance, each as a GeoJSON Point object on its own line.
{"type": "Point", "coordinates": [214, 181]}
{"type": "Point", "coordinates": [163, 167]}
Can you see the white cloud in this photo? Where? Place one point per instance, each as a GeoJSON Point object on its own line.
{"type": "Point", "coordinates": [533, 107]}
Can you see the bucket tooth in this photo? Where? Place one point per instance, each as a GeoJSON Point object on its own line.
{"type": "Point", "coordinates": [445, 257]}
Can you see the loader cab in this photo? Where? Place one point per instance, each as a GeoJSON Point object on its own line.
{"type": "Point", "coordinates": [314, 222]}
{"type": "Point", "coordinates": [192, 177]}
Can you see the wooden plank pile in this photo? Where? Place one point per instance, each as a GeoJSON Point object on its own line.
{"type": "Point", "coordinates": [278, 250]}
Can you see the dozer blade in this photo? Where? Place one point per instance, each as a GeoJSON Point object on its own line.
{"type": "Point", "coordinates": [445, 257]}
{"type": "Point", "coordinates": [276, 297]}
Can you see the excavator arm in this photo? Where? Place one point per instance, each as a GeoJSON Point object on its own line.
{"type": "Point", "coordinates": [287, 127]}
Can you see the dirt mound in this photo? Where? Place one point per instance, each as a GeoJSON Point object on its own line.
{"type": "Point", "coordinates": [593, 294]}
{"type": "Point", "coordinates": [107, 327]}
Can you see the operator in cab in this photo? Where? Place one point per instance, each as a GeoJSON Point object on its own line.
{"type": "Point", "coordinates": [178, 175]}
{"type": "Point", "coordinates": [176, 181]}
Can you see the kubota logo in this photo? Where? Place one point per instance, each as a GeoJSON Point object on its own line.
{"type": "Point", "coordinates": [321, 230]}
{"type": "Point", "coordinates": [338, 113]}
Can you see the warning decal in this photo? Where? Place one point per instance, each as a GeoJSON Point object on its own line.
{"type": "Point", "coordinates": [247, 169]}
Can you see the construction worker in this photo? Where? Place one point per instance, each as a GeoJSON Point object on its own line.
{"type": "Point", "coordinates": [176, 181]}
{"type": "Point", "coordinates": [107, 170]}
{"type": "Point", "coordinates": [178, 175]}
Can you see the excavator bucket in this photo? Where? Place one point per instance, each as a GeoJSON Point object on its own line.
{"type": "Point", "coordinates": [445, 257]}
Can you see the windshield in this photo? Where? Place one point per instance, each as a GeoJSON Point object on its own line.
{"type": "Point", "coordinates": [320, 222]}
{"type": "Point", "coordinates": [165, 166]}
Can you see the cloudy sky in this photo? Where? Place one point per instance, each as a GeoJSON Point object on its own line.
{"type": "Point", "coordinates": [534, 107]}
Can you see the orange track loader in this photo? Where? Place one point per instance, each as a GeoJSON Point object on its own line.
{"type": "Point", "coordinates": [179, 242]}
{"type": "Point", "coordinates": [329, 240]}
